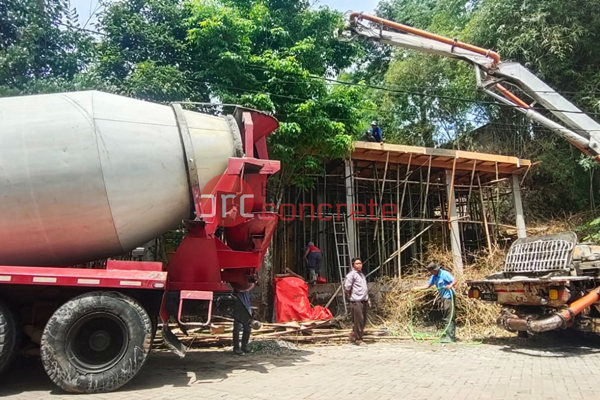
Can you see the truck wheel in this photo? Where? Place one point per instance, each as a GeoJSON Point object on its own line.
{"type": "Point", "coordinates": [10, 336]}
{"type": "Point", "coordinates": [97, 342]}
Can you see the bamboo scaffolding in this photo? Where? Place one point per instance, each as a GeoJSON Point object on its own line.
{"type": "Point", "coordinates": [389, 179]}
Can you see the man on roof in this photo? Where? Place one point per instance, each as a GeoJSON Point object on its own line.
{"type": "Point", "coordinates": [375, 132]}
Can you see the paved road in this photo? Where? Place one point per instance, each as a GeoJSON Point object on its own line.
{"type": "Point", "coordinates": [506, 368]}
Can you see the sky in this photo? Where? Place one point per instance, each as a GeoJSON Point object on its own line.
{"type": "Point", "coordinates": [86, 7]}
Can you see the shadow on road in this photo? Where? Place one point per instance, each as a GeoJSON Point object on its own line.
{"type": "Point", "coordinates": [162, 369]}
{"type": "Point", "coordinates": [550, 344]}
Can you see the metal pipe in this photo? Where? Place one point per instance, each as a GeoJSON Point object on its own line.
{"type": "Point", "coordinates": [556, 321]}
{"type": "Point", "coordinates": [576, 140]}
{"type": "Point", "coordinates": [513, 99]}
{"type": "Point", "coordinates": [418, 32]}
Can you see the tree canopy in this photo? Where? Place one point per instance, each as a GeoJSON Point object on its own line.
{"type": "Point", "coordinates": [268, 54]}
{"type": "Point", "coordinates": [433, 101]}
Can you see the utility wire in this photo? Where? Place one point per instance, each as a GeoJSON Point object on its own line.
{"type": "Point", "coordinates": [375, 87]}
{"type": "Point", "coordinates": [336, 81]}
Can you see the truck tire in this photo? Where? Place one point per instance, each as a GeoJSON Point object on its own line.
{"type": "Point", "coordinates": [96, 343]}
{"type": "Point", "coordinates": [10, 336]}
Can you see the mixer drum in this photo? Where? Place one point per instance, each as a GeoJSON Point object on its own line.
{"type": "Point", "coordinates": [89, 175]}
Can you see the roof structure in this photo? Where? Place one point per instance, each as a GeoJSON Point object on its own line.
{"type": "Point", "coordinates": [463, 163]}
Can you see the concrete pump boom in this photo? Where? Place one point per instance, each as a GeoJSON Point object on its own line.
{"type": "Point", "coordinates": [577, 127]}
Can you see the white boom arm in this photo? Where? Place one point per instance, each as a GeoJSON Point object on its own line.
{"type": "Point", "coordinates": [579, 129]}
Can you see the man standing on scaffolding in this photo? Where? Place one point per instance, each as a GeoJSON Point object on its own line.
{"type": "Point", "coordinates": [444, 282]}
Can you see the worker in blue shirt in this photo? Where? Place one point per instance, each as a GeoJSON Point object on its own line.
{"type": "Point", "coordinates": [375, 132]}
{"type": "Point", "coordinates": [444, 282]}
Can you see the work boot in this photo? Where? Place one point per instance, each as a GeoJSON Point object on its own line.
{"type": "Point", "coordinates": [245, 339]}
{"type": "Point", "coordinates": [236, 339]}
{"type": "Point", "coordinates": [447, 339]}
{"type": "Point", "coordinates": [237, 351]}
{"type": "Point", "coordinates": [451, 332]}
{"type": "Point", "coordinates": [351, 337]}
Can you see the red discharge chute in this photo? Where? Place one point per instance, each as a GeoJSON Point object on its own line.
{"type": "Point", "coordinates": [291, 302]}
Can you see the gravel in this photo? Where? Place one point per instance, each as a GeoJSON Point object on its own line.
{"type": "Point", "coordinates": [274, 347]}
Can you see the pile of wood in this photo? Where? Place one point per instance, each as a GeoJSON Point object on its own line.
{"type": "Point", "coordinates": [220, 333]}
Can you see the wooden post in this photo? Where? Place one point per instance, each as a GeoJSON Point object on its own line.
{"type": "Point", "coordinates": [453, 223]}
{"type": "Point", "coordinates": [471, 184]}
{"type": "Point", "coordinates": [516, 189]}
{"type": "Point", "coordinates": [484, 218]}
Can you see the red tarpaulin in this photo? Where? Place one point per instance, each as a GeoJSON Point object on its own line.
{"type": "Point", "coordinates": [291, 302]}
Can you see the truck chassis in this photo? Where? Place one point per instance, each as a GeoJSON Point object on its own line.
{"type": "Point", "coordinates": [542, 277]}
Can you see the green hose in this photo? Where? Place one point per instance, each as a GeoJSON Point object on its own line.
{"type": "Point", "coordinates": [421, 337]}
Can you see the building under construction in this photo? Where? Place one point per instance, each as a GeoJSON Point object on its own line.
{"type": "Point", "coordinates": [387, 203]}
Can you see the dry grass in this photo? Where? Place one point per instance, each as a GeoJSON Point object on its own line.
{"type": "Point", "coordinates": [568, 222]}
{"type": "Point", "coordinates": [475, 319]}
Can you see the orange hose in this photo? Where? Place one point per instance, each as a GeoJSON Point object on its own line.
{"type": "Point", "coordinates": [511, 96]}
{"type": "Point", "coordinates": [579, 305]}
{"type": "Point", "coordinates": [419, 32]}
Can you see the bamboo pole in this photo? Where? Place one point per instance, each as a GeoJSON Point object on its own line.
{"type": "Point", "coordinates": [426, 189]}
{"type": "Point", "coordinates": [398, 222]}
{"type": "Point", "coordinates": [497, 187]}
{"type": "Point", "coordinates": [376, 229]}
{"type": "Point", "coordinates": [400, 250]}
{"type": "Point", "coordinates": [408, 173]}
{"type": "Point", "coordinates": [380, 207]}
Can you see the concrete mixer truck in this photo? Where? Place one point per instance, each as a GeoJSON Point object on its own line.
{"type": "Point", "coordinates": [89, 176]}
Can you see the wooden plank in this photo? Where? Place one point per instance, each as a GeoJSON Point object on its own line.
{"type": "Point", "coordinates": [443, 153]}
{"type": "Point", "coordinates": [423, 160]}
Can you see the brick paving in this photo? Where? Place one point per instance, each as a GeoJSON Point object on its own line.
{"type": "Point", "coordinates": [507, 368]}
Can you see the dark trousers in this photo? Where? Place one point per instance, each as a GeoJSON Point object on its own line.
{"type": "Point", "coordinates": [315, 259]}
{"type": "Point", "coordinates": [359, 316]}
{"type": "Point", "coordinates": [449, 313]}
{"type": "Point", "coordinates": [245, 330]}
{"type": "Point", "coordinates": [242, 327]}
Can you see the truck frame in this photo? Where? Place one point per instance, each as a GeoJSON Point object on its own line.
{"type": "Point", "coordinates": [95, 326]}
{"type": "Point", "coordinates": [549, 282]}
